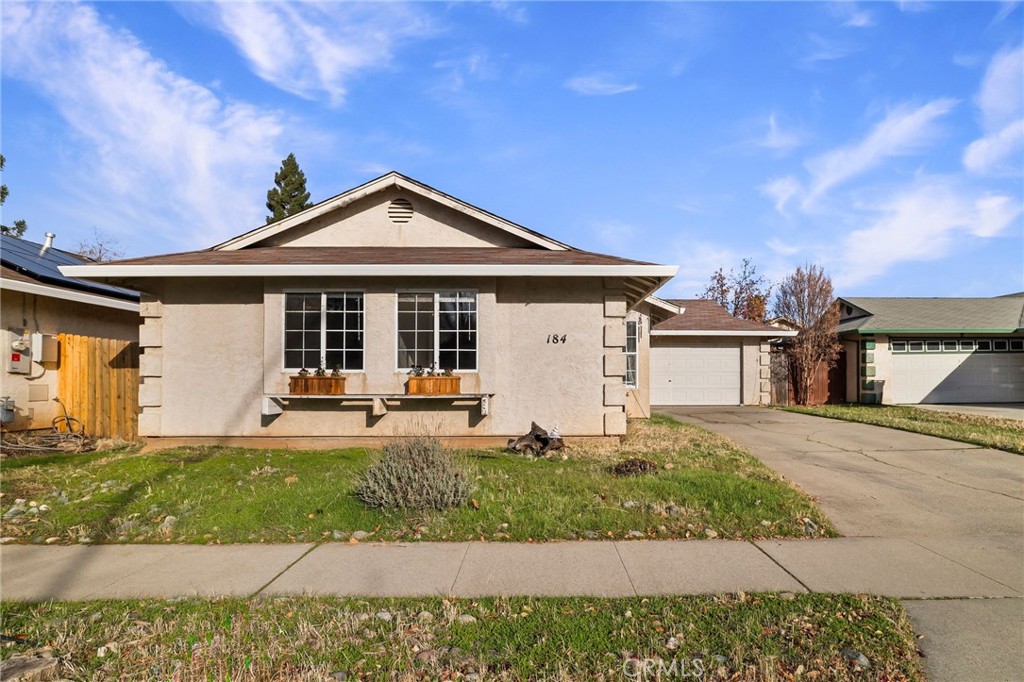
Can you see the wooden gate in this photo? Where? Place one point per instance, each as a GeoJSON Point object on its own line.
{"type": "Point", "coordinates": [99, 384]}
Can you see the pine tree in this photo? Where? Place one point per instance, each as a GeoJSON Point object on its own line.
{"type": "Point", "coordinates": [19, 226]}
{"type": "Point", "coordinates": [288, 196]}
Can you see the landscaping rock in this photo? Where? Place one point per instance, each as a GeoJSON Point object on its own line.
{"type": "Point", "coordinates": [339, 535]}
{"type": "Point", "coordinates": [709, 533]}
{"type": "Point", "coordinates": [167, 525]}
{"type": "Point", "coordinates": [13, 512]}
{"type": "Point", "coordinates": [669, 466]}
{"type": "Point", "coordinates": [52, 541]}
{"type": "Point", "coordinates": [425, 616]}
{"type": "Point", "coordinates": [635, 534]}
{"type": "Point", "coordinates": [384, 616]}
{"type": "Point", "coordinates": [360, 535]}
{"type": "Point", "coordinates": [856, 659]}
{"type": "Point", "coordinates": [339, 676]}
{"type": "Point", "coordinates": [427, 656]}
{"type": "Point", "coordinates": [7, 541]}
{"type": "Point", "coordinates": [628, 504]}
{"type": "Point", "coordinates": [590, 534]}
{"type": "Point", "coordinates": [36, 667]}
{"type": "Point", "coordinates": [810, 527]}
{"type": "Point", "coordinates": [466, 619]}
{"type": "Point", "coordinates": [85, 541]}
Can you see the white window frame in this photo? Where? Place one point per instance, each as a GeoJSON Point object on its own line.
{"type": "Point", "coordinates": [437, 293]}
{"type": "Point", "coordinates": [634, 354]}
{"type": "Point", "coordinates": [323, 327]}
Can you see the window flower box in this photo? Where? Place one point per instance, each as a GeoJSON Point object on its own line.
{"type": "Point", "coordinates": [314, 385]}
{"type": "Point", "coordinates": [433, 385]}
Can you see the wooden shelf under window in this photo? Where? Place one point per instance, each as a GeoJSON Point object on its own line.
{"type": "Point", "coordinates": [275, 403]}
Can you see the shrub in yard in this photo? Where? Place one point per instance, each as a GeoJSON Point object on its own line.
{"type": "Point", "coordinates": [634, 466]}
{"type": "Point", "coordinates": [416, 473]}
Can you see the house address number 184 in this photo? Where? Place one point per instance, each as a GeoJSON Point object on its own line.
{"type": "Point", "coordinates": [556, 338]}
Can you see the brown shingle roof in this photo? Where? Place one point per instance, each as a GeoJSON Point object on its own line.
{"type": "Point", "coordinates": [708, 316]}
{"type": "Point", "coordinates": [374, 255]}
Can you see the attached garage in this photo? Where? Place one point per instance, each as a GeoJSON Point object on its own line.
{"type": "Point", "coordinates": [969, 376]}
{"type": "Point", "coordinates": [693, 371]}
{"type": "Point", "coordinates": [935, 350]}
{"type": "Point", "coordinates": [705, 356]}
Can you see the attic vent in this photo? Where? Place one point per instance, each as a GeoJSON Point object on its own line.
{"type": "Point", "coordinates": [400, 210]}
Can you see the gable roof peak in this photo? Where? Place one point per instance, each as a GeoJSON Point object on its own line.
{"type": "Point", "coordinates": [379, 184]}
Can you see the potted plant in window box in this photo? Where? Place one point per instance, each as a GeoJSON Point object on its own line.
{"type": "Point", "coordinates": [430, 382]}
{"type": "Point", "coordinates": [317, 383]}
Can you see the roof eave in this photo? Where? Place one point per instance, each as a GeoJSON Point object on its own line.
{"type": "Point", "coordinates": [723, 332]}
{"type": "Point", "coordinates": [929, 331]}
{"type": "Point", "coordinates": [658, 274]}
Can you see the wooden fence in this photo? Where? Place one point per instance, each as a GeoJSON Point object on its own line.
{"type": "Point", "coordinates": [829, 385]}
{"type": "Point", "coordinates": [99, 384]}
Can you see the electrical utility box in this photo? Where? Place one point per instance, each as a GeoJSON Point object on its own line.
{"type": "Point", "coordinates": [19, 353]}
{"type": "Point", "coordinates": [44, 347]}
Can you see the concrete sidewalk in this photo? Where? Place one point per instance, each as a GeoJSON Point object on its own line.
{"type": "Point", "coordinates": [888, 566]}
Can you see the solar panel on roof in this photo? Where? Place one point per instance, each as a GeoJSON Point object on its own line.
{"type": "Point", "coordinates": [24, 256]}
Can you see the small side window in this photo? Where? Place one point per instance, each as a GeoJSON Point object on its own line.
{"type": "Point", "coordinates": [933, 346]}
{"type": "Point", "coordinates": [1017, 345]}
{"type": "Point", "coordinates": [949, 346]}
{"type": "Point", "coordinates": [1000, 345]}
{"type": "Point", "coordinates": [899, 346]}
{"type": "Point", "coordinates": [915, 346]}
{"type": "Point", "coordinates": [967, 346]}
{"type": "Point", "coordinates": [984, 345]}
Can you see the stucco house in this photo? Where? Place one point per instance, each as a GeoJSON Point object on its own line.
{"type": "Point", "coordinates": [37, 303]}
{"type": "Point", "coordinates": [934, 350]}
{"type": "Point", "coordinates": [373, 282]}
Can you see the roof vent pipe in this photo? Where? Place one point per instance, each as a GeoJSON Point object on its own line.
{"type": "Point", "coordinates": [48, 243]}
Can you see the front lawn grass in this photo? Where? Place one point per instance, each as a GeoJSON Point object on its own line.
{"type": "Point", "coordinates": [989, 432]}
{"type": "Point", "coordinates": [705, 487]}
{"type": "Point", "coordinates": [742, 638]}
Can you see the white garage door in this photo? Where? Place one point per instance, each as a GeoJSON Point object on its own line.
{"type": "Point", "coordinates": [695, 372]}
{"type": "Point", "coordinates": [957, 378]}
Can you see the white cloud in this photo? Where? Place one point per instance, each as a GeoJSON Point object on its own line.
{"type": "Point", "coordinates": [163, 155]}
{"type": "Point", "coordinates": [825, 50]}
{"type": "Point", "coordinates": [599, 84]}
{"type": "Point", "coordinates": [903, 131]}
{"type": "Point", "coordinates": [314, 48]}
{"type": "Point", "coordinates": [1000, 103]}
{"type": "Point", "coordinates": [922, 223]}
{"type": "Point", "coordinates": [781, 191]}
{"type": "Point", "coordinates": [697, 262]}
{"type": "Point", "coordinates": [778, 139]}
{"type": "Point", "coordinates": [852, 15]}
{"type": "Point", "coordinates": [513, 11]}
{"type": "Point", "coordinates": [782, 248]}
{"type": "Point", "coordinates": [476, 65]}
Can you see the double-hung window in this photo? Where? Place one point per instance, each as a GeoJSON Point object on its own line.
{"type": "Point", "coordinates": [437, 328]}
{"type": "Point", "coordinates": [632, 338]}
{"type": "Point", "coordinates": [324, 329]}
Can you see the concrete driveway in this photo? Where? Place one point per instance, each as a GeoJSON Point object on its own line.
{"type": "Point", "coordinates": [957, 501]}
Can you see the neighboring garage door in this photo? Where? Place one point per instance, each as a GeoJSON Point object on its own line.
{"type": "Point", "coordinates": [695, 371]}
{"type": "Point", "coordinates": [957, 378]}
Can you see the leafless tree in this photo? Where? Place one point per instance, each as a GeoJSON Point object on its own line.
{"type": "Point", "coordinates": [100, 247]}
{"type": "Point", "coordinates": [806, 297]}
{"type": "Point", "coordinates": [744, 294]}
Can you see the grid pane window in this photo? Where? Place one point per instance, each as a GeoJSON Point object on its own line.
{"type": "Point", "coordinates": [632, 329]}
{"type": "Point", "coordinates": [437, 328]}
{"type": "Point", "coordinates": [323, 330]}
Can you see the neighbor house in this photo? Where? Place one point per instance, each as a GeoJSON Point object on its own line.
{"type": "Point", "coordinates": [37, 304]}
{"type": "Point", "coordinates": [370, 285]}
{"type": "Point", "coordinates": [934, 350]}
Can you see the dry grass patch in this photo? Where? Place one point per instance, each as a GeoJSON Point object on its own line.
{"type": "Point", "coordinates": [740, 638]}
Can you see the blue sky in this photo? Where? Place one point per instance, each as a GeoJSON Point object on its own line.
{"type": "Point", "coordinates": [884, 141]}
